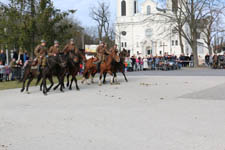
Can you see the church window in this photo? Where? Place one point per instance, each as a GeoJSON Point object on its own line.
{"type": "Point", "coordinates": [125, 44]}
{"type": "Point", "coordinates": [148, 10]}
{"type": "Point", "coordinates": [172, 42]}
{"type": "Point", "coordinates": [176, 42]}
{"type": "Point", "coordinates": [122, 44]}
{"type": "Point", "coordinates": [135, 7]}
{"type": "Point", "coordinates": [123, 8]}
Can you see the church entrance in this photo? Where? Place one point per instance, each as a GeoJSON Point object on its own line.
{"type": "Point", "coordinates": [149, 51]}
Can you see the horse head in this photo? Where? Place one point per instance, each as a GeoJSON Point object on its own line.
{"type": "Point", "coordinates": [62, 62]}
{"type": "Point", "coordinates": [115, 56]}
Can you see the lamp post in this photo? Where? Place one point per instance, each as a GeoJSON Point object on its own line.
{"type": "Point", "coordinates": [7, 52]}
{"type": "Point", "coordinates": [82, 38]}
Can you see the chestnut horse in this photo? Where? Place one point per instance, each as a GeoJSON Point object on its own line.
{"type": "Point", "coordinates": [119, 66]}
{"type": "Point", "coordinates": [89, 70]}
{"type": "Point", "coordinates": [106, 66]}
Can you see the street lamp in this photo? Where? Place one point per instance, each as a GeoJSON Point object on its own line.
{"type": "Point", "coordinates": [7, 52]}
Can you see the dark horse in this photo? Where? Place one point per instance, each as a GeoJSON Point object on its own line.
{"type": "Point", "coordinates": [73, 67]}
{"type": "Point", "coordinates": [74, 61]}
{"type": "Point", "coordinates": [31, 72]}
{"type": "Point", "coordinates": [118, 66]}
{"type": "Point", "coordinates": [55, 66]}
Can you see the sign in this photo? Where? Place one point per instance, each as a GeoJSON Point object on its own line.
{"type": "Point", "coordinates": [90, 48]}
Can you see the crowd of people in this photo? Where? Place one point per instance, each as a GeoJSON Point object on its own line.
{"type": "Point", "coordinates": [13, 71]}
{"type": "Point", "coordinates": [137, 63]}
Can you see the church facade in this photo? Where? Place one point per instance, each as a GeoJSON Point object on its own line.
{"type": "Point", "coordinates": [143, 31]}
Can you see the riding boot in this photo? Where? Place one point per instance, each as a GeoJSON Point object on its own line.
{"type": "Point", "coordinates": [97, 62]}
{"type": "Point", "coordinates": [98, 66]}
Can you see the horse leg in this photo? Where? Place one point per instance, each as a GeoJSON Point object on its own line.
{"type": "Point", "coordinates": [24, 82]}
{"type": "Point", "coordinates": [124, 76]}
{"type": "Point", "coordinates": [77, 87]}
{"type": "Point", "coordinates": [38, 79]}
{"type": "Point", "coordinates": [112, 77]}
{"type": "Point", "coordinates": [61, 83]}
{"type": "Point", "coordinates": [52, 83]}
{"type": "Point", "coordinates": [100, 79]}
{"type": "Point", "coordinates": [68, 80]}
{"type": "Point", "coordinates": [56, 87]}
{"type": "Point", "coordinates": [28, 84]}
{"type": "Point", "coordinates": [71, 83]}
{"type": "Point", "coordinates": [104, 81]}
{"type": "Point", "coordinates": [44, 86]}
{"type": "Point", "coordinates": [41, 86]}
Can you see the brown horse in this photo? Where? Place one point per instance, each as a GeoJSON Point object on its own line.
{"type": "Point", "coordinates": [106, 66]}
{"type": "Point", "coordinates": [89, 70]}
{"type": "Point", "coordinates": [119, 66]}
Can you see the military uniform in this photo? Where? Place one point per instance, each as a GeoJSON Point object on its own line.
{"type": "Point", "coordinates": [70, 48]}
{"type": "Point", "coordinates": [102, 52]}
{"type": "Point", "coordinates": [54, 50]}
{"type": "Point", "coordinates": [40, 52]}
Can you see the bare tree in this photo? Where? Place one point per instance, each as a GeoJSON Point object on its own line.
{"type": "Point", "coordinates": [213, 24]}
{"type": "Point", "coordinates": [187, 16]}
{"type": "Point", "coordinates": [101, 14]}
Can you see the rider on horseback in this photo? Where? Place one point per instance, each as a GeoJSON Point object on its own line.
{"type": "Point", "coordinates": [70, 47]}
{"type": "Point", "coordinates": [40, 53]}
{"type": "Point", "coordinates": [54, 50]}
{"type": "Point", "coordinates": [102, 51]}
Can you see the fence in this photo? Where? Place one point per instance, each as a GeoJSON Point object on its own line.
{"type": "Point", "coordinates": [16, 73]}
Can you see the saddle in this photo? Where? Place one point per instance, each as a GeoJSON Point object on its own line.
{"type": "Point", "coordinates": [34, 64]}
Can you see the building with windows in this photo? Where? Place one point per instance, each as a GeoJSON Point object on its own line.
{"type": "Point", "coordinates": [143, 31]}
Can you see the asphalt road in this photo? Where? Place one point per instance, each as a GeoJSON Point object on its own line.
{"type": "Point", "coordinates": [182, 72]}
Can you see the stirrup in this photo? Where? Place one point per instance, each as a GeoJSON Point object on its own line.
{"type": "Point", "coordinates": [96, 62]}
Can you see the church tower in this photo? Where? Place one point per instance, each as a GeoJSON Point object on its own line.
{"type": "Point", "coordinates": [172, 5]}
{"type": "Point", "coordinates": [126, 8]}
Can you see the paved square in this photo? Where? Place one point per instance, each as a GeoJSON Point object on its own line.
{"type": "Point", "coordinates": [154, 110]}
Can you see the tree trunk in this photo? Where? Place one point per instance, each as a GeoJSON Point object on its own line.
{"type": "Point", "coordinates": [181, 43]}
{"type": "Point", "coordinates": [210, 49]}
{"type": "Point", "coordinates": [194, 47]}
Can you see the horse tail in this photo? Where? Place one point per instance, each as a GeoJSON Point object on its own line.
{"type": "Point", "coordinates": [26, 69]}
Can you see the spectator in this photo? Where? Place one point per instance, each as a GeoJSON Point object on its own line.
{"type": "Point", "coordinates": [145, 63]}
{"type": "Point", "coordinates": [137, 64]}
{"type": "Point", "coordinates": [7, 72]}
{"type": "Point", "coordinates": [25, 56]}
{"type": "Point", "coordinates": [133, 59]}
{"type": "Point", "coordinates": [13, 66]}
{"type": "Point", "coordinates": [15, 55]}
{"type": "Point", "coordinates": [2, 57]}
{"type": "Point", "coordinates": [1, 71]}
{"type": "Point", "coordinates": [207, 60]}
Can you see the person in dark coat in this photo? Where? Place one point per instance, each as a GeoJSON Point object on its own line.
{"type": "Point", "coordinates": [2, 57]}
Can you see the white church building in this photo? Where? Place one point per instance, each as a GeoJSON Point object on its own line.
{"type": "Point", "coordinates": [144, 32]}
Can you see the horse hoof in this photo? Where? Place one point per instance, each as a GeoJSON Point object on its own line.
{"type": "Point", "coordinates": [70, 88]}
{"type": "Point", "coordinates": [78, 89]}
{"type": "Point", "coordinates": [22, 90]}
{"type": "Point", "coordinates": [28, 92]}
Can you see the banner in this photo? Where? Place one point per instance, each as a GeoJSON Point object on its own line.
{"type": "Point", "coordinates": [90, 48]}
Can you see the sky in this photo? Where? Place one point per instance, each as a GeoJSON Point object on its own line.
{"type": "Point", "coordinates": [82, 7]}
